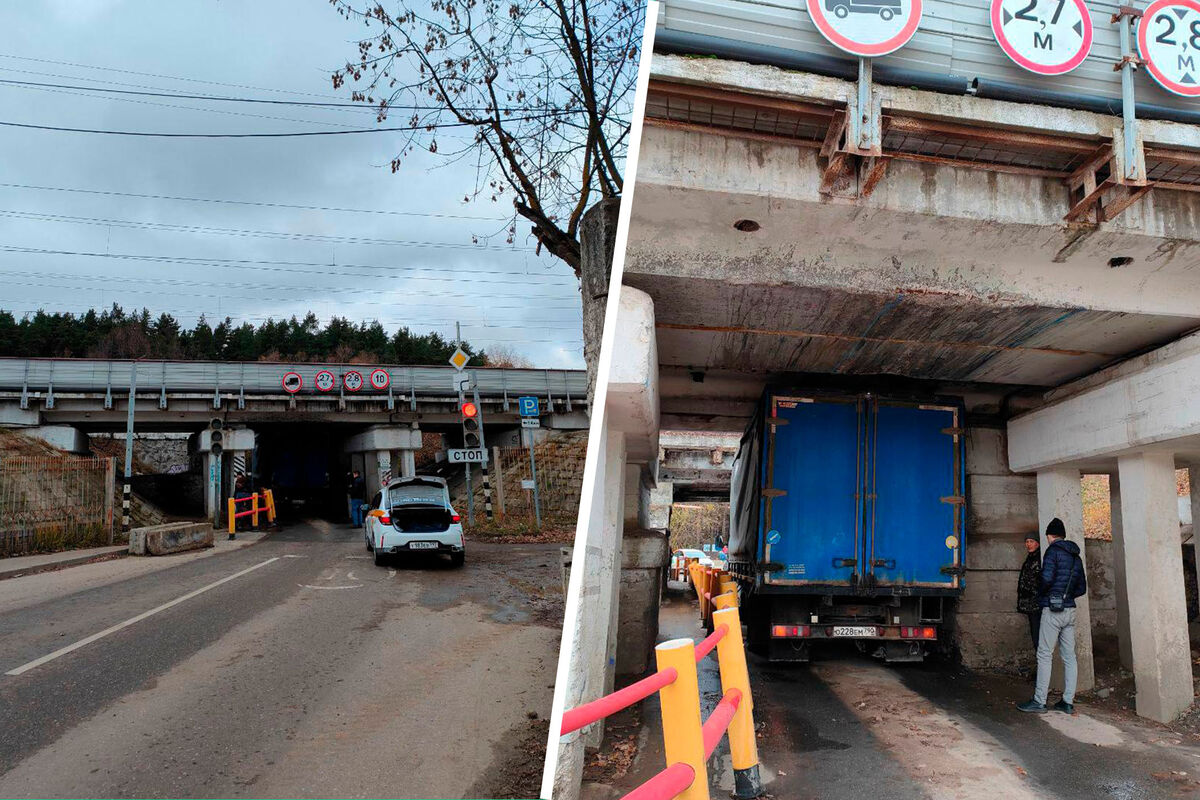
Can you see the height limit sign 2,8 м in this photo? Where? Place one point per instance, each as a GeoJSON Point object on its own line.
{"type": "Point", "coordinates": [1168, 40]}
{"type": "Point", "coordinates": [1049, 37]}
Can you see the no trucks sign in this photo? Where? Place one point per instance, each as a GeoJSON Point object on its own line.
{"type": "Point", "coordinates": [866, 28]}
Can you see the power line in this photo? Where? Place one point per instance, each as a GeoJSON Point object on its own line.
{"type": "Point", "coordinates": [269, 287]}
{"type": "Point", "coordinates": [260, 100]}
{"type": "Point", "coordinates": [272, 135]}
{"type": "Point", "coordinates": [283, 266]}
{"type": "Point", "coordinates": [262, 204]}
{"type": "Point", "coordinates": [209, 230]}
{"type": "Point", "coordinates": [159, 75]}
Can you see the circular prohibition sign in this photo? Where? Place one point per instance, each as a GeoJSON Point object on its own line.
{"type": "Point", "coordinates": [1168, 41]}
{"type": "Point", "coordinates": [1046, 37]}
{"type": "Point", "coordinates": [866, 28]}
{"type": "Point", "coordinates": [292, 382]}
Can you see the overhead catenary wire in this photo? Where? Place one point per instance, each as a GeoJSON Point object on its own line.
{"type": "Point", "coordinates": [272, 135]}
{"type": "Point", "coordinates": [255, 203]}
{"type": "Point", "coordinates": [209, 230]}
{"type": "Point", "coordinates": [283, 266]}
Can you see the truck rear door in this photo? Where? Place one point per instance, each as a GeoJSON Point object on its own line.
{"type": "Point", "coordinates": [915, 504]}
{"type": "Point", "coordinates": [812, 471]}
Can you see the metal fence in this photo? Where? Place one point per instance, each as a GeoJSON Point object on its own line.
{"type": "Point", "coordinates": [50, 503]}
{"type": "Point", "coordinates": [559, 479]}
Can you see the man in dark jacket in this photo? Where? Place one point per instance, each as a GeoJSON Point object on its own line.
{"type": "Point", "coordinates": [1063, 580]}
{"type": "Point", "coordinates": [1029, 586]}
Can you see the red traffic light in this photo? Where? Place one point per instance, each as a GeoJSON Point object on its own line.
{"type": "Point", "coordinates": [470, 410]}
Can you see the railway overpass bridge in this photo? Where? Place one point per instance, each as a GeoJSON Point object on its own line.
{"type": "Point", "coordinates": [282, 418]}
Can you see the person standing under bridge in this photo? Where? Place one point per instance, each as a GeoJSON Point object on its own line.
{"type": "Point", "coordinates": [1063, 580]}
{"type": "Point", "coordinates": [1029, 586]}
{"type": "Point", "coordinates": [356, 489]}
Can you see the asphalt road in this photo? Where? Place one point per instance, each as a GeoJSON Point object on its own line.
{"type": "Point", "coordinates": [292, 667]}
{"type": "Point", "coordinates": [848, 728]}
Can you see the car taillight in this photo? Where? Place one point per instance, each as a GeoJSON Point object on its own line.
{"type": "Point", "coordinates": [385, 519]}
{"type": "Point", "coordinates": [928, 632]}
{"type": "Point", "coordinates": [456, 518]}
{"type": "Point", "coordinates": [790, 631]}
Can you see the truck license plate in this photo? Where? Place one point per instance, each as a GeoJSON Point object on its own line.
{"type": "Point", "coordinates": [854, 630]}
{"type": "Point", "coordinates": [422, 546]}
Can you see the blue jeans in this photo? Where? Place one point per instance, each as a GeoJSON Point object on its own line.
{"type": "Point", "coordinates": [356, 512]}
{"type": "Point", "coordinates": [1057, 629]}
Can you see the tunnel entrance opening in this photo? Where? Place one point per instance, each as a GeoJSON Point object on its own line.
{"type": "Point", "coordinates": [305, 466]}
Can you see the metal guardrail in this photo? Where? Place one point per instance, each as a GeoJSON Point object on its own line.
{"type": "Point", "coordinates": [689, 742]}
{"type": "Point", "coordinates": [266, 378]}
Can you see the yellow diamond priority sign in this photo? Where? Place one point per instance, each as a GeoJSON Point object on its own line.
{"type": "Point", "coordinates": [459, 359]}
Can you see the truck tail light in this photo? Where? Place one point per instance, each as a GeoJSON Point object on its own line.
{"type": "Point", "coordinates": [927, 632]}
{"type": "Point", "coordinates": [790, 631]}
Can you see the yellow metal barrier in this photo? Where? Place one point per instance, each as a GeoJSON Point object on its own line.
{"type": "Point", "coordinates": [267, 498]}
{"type": "Point", "coordinates": [731, 657]}
{"type": "Point", "coordinates": [683, 736]}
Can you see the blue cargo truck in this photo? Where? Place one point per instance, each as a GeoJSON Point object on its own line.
{"type": "Point", "coordinates": [847, 521]}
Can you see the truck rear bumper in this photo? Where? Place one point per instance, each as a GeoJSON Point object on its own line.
{"type": "Point", "coordinates": [917, 633]}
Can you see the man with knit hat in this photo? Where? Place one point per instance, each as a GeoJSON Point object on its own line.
{"type": "Point", "coordinates": [1063, 580]}
{"type": "Point", "coordinates": [1029, 586]}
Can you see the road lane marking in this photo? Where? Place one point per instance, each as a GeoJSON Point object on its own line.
{"type": "Point", "coordinates": [310, 586]}
{"type": "Point", "coordinates": [121, 625]}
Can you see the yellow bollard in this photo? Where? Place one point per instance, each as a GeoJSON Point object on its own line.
{"type": "Point", "coordinates": [729, 585]}
{"type": "Point", "coordinates": [731, 656]}
{"type": "Point", "coordinates": [723, 601]}
{"type": "Point", "coordinates": [232, 518]}
{"type": "Point", "coordinates": [254, 507]}
{"type": "Point", "coordinates": [270, 505]}
{"type": "Point", "coordinates": [683, 737]}
{"type": "Point", "coordinates": [694, 573]}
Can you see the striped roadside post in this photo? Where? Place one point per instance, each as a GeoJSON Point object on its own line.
{"type": "Point", "coordinates": [127, 489]}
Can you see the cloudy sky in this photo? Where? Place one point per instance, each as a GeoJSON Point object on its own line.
{"type": "Point", "coordinates": [77, 219]}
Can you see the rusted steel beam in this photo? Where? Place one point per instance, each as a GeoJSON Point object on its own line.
{"type": "Point", "coordinates": [1179, 187]}
{"type": "Point", "coordinates": [995, 136]}
{"type": "Point", "coordinates": [721, 130]}
{"type": "Point", "coordinates": [1095, 161]}
{"type": "Point", "coordinates": [1187, 157]}
{"type": "Point", "coordinates": [686, 91]}
{"type": "Point", "coordinates": [1091, 197]}
{"type": "Point", "coordinates": [841, 337]}
{"type": "Point", "coordinates": [834, 177]}
{"type": "Point", "coordinates": [984, 165]}
{"type": "Point", "coordinates": [1113, 208]}
{"type": "Point", "coordinates": [873, 172]}
{"type": "Point", "coordinates": [833, 134]}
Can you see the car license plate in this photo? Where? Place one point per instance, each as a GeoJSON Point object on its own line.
{"type": "Point", "coordinates": [422, 546]}
{"type": "Point", "coordinates": [854, 630]}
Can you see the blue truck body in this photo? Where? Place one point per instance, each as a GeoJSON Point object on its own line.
{"type": "Point", "coordinates": [848, 521]}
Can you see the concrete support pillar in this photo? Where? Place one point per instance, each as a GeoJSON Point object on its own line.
{"type": "Point", "coordinates": [406, 465]}
{"type": "Point", "coordinates": [1162, 663]}
{"type": "Point", "coordinates": [379, 471]}
{"type": "Point", "coordinates": [656, 505]}
{"type": "Point", "coordinates": [584, 664]}
{"type": "Point", "coordinates": [1059, 494]}
{"type": "Point", "coordinates": [1194, 483]}
{"type": "Point", "coordinates": [1119, 581]}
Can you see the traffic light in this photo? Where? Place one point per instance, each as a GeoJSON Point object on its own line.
{"type": "Point", "coordinates": [472, 426]}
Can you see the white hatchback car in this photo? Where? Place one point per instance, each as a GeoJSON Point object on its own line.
{"type": "Point", "coordinates": [414, 515]}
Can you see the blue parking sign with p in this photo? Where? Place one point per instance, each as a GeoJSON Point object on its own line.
{"type": "Point", "coordinates": [527, 406]}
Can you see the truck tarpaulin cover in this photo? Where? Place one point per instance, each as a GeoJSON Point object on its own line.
{"type": "Point", "coordinates": [745, 495]}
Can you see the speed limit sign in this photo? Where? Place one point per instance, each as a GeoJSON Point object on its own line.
{"type": "Point", "coordinates": [325, 381]}
{"type": "Point", "coordinates": [1168, 40]}
{"type": "Point", "coordinates": [352, 380]}
{"type": "Point", "coordinates": [1049, 37]}
{"type": "Point", "coordinates": [866, 28]}
{"type": "Point", "coordinates": [380, 379]}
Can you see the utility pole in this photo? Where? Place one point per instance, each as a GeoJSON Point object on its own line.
{"type": "Point", "coordinates": [537, 506]}
{"type": "Point", "coordinates": [127, 490]}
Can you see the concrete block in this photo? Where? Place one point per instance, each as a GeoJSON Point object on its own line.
{"type": "Point", "coordinates": [987, 452]}
{"type": "Point", "coordinates": [990, 592]}
{"type": "Point", "coordinates": [173, 537]}
{"type": "Point", "coordinates": [995, 551]}
{"type": "Point", "coordinates": [384, 437]}
{"type": "Point", "coordinates": [644, 556]}
{"type": "Point", "coordinates": [64, 437]}
{"type": "Point", "coordinates": [12, 414]}
{"type": "Point", "coordinates": [1001, 504]}
{"type": "Point", "coordinates": [994, 641]}
{"type": "Point", "coordinates": [632, 404]}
